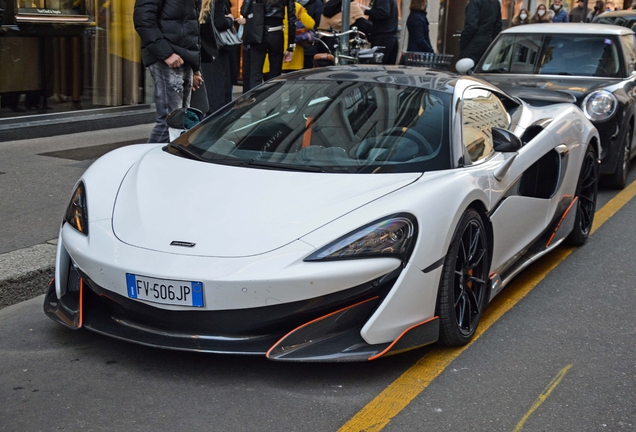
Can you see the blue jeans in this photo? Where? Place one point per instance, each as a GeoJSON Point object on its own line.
{"type": "Point", "coordinates": [173, 87]}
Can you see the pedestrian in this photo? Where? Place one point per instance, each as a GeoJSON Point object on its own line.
{"type": "Point", "coordinates": [579, 14]}
{"type": "Point", "coordinates": [169, 33]}
{"type": "Point", "coordinates": [542, 15]}
{"type": "Point", "coordinates": [609, 7]}
{"type": "Point", "coordinates": [273, 43]}
{"type": "Point", "coordinates": [383, 15]}
{"type": "Point", "coordinates": [297, 61]}
{"type": "Point", "coordinates": [521, 18]}
{"type": "Point", "coordinates": [314, 9]}
{"type": "Point", "coordinates": [560, 14]}
{"type": "Point", "coordinates": [483, 23]}
{"type": "Point", "coordinates": [599, 8]}
{"type": "Point", "coordinates": [215, 62]}
{"type": "Point", "coordinates": [417, 25]}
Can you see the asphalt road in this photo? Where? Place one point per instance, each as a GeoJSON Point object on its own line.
{"type": "Point", "coordinates": [561, 359]}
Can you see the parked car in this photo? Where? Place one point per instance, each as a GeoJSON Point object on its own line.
{"type": "Point", "coordinates": [593, 62]}
{"type": "Point", "coordinates": [335, 214]}
{"type": "Point", "coordinates": [624, 18]}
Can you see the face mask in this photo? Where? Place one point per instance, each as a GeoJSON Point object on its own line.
{"type": "Point", "coordinates": [541, 12]}
{"type": "Point", "coordinates": [523, 16]}
{"type": "Point", "coordinates": [557, 7]}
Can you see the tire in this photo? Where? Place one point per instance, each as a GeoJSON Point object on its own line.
{"type": "Point", "coordinates": [586, 192]}
{"type": "Point", "coordinates": [464, 282]}
{"type": "Point", "coordinates": [618, 180]}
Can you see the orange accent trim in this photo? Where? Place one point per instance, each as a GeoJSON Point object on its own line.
{"type": "Point", "coordinates": [399, 337]}
{"type": "Point", "coordinates": [561, 221]}
{"type": "Point", "coordinates": [81, 304]}
{"type": "Point", "coordinates": [317, 319]}
{"type": "Point", "coordinates": [308, 130]}
{"type": "Point", "coordinates": [52, 279]}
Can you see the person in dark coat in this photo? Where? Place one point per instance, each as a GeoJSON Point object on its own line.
{"type": "Point", "coordinates": [215, 63]}
{"type": "Point", "coordinates": [314, 9]}
{"type": "Point", "coordinates": [483, 23]}
{"type": "Point", "coordinates": [579, 14]}
{"type": "Point", "coordinates": [273, 44]}
{"type": "Point", "coordinates": [417, 25]}
{"type": "Point", "coordinates": [169, 32]}
{"type": "Point", "coordinates": [384, 16]}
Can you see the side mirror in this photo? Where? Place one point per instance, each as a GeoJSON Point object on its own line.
{"type": "Point", "coordinates": [184, 118]}
{"type": "Point", "coordinates": [464, 65]}
{"type": "Point", "coordinates": [505, 141]}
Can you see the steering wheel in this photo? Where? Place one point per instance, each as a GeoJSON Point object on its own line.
{"type": "Point", "coordinates": [413, 135]}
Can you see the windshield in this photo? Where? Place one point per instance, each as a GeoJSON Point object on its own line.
{"type": "Point", "coordinates": [576, 55]}
{"type": "Point", "coordinates": [330, 126]}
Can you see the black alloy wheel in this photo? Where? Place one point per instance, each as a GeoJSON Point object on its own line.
{"type": "Point", "coordinates": [586, 192]}
{"type": "Point", "coordinates": [464, 282]}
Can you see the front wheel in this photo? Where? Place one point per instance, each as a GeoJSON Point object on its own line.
{"type": "Point", "coordinates": [586, 192]}
{"type": "Point", "coordinates": [463, 286]}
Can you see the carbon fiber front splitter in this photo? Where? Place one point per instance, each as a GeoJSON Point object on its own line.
{"type": "Point", "coordinates": [321, 329]}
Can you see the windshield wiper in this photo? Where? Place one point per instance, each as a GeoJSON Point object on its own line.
{"type": "Point", "coordinates": [289, 167]}
{"type": "Point", "coordinates": [187, 152]}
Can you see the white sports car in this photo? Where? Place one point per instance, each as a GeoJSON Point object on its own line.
{"type": "Point", "coordinates": [337, 214]}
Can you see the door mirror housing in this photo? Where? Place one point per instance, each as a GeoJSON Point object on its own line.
{"type": "Point", "coordinates": [505, 141]}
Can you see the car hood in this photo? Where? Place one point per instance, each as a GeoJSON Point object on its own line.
{"type": "Point", "coordinates": [234, 211]}
{"type": "Point", "coordinates": [578, 87]}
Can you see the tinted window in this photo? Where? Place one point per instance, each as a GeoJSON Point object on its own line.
{"type": "Point", "coordinates": [629, 50]}
{"type": "Point", "coordinates": [333, 126]}
{"type": "Point", "coordinates": [481, 111]}
{"type": "Point", "coordinates": [581, 55]}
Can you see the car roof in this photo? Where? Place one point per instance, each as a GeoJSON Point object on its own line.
{"type": "Point", "coordinates": [623, 13]}
{"type": "Point", "coordinates": [570, 28]}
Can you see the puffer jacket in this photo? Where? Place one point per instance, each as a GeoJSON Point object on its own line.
{"type": "Point", "coordinates": [166, 27]}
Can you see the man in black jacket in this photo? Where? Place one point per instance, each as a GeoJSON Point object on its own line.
{"type": "Point", "coordinates": [169, 32]}
{"type": "Point", "coordinates": [483, 23]}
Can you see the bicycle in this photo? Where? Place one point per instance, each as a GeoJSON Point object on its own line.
{"type": "Point", "coordinates": [356, 50]}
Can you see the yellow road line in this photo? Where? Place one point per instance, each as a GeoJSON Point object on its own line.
{"type": "Point", "coordinates": [543, 396]}
{"type": "Point", "coordinates": [379, 412]}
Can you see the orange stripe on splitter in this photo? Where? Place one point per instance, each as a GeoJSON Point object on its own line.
{"type": "Point", "coordinates": [400, 337]}
{"type": "Point", "coordinates": [561, 221]}
{"type": "Point", "coordinates": [317, 319]}
{"type": "Point", "coordinates": [81, 304]}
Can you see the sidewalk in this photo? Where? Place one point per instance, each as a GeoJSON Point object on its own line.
{"type": "Point", "coordinates": [25, 273]}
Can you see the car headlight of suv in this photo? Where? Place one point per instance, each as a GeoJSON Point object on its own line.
{"type": "Point", "coordinates": [77, 211]}
{"type": "Point", "coordinates": [390, 236]}
{"type": "Point", "coordinates": [599, 105]}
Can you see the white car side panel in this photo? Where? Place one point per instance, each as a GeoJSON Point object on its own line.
{"type": "Point", "coordinates": [412, 303]}
{"type": "Point", "coordinates": [516, 212]}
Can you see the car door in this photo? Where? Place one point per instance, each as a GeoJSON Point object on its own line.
{"type": "Point", "coordinates": [519, 201]}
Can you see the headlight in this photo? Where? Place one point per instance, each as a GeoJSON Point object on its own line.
{"type": "Point", "coordinates": [77, 211]}
{"type": "Point", "coordinates": [599, 105]}
{"type": "Point", "coordinates": [392, 236]}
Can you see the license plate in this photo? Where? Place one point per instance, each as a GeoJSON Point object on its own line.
{"type": "Point", "coordinates": [165, 291]}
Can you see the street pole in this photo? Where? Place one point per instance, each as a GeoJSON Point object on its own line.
{"type": "Point", "coordinates": [346, 13]}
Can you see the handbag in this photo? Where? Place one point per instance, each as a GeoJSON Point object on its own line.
{"type": "Point", "coordinates": [304, 36]}
{"type": "Point", "coordinates": [254, 23]}
{"type": "Point", "coordinates": [225, 39]}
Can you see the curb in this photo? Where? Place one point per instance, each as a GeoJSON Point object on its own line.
{"type": "Point", "coordinates": [25, 273]}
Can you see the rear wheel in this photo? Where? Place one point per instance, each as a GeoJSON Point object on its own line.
{"type": "Point", "coordinates": [463, 286]}
{"type": "Point", "coordinates": [586, 192]}
{"type": "Point", "coordinates": [618, 180]}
